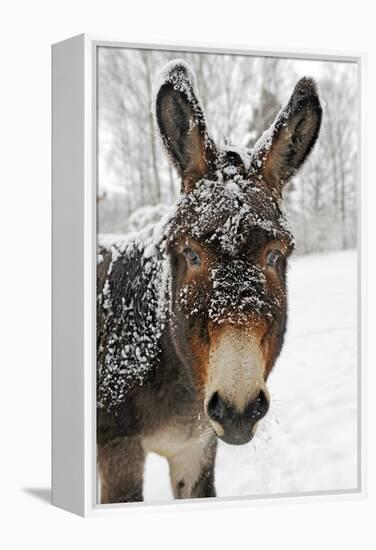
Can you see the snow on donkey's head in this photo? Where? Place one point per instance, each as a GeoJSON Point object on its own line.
{"type": "Point", "coordinates": [228, 245]}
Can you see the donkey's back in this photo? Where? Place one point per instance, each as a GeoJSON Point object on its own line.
{"type": "Point", "coordinates": [130, 316]}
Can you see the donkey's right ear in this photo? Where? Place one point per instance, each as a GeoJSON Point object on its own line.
{"type": "Point", "coordinates": [181, 123]}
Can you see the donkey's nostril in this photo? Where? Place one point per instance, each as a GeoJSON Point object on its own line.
{"type": "Point", "coordinates": [216, 407]}
{"type": "Point", "coordinates": [258, 408]}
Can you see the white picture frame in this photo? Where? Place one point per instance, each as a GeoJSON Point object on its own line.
{"type": "Point", "coordinates": [74, 166]}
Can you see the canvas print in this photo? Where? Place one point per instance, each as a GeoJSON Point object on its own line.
{"type": "Point", "coordinates": [227, 276]}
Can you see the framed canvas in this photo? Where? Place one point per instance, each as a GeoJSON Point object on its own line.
{"type": "Point", "coordinates": [207, 275]}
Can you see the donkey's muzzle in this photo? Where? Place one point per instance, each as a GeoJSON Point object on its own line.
{"type": "Point", "coordinates": [237, 427]}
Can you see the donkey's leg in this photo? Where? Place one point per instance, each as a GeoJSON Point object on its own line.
{"type": "Point", "coordinates": [192, 470]}
{"type": "Point", "coordinates": [121, 467]}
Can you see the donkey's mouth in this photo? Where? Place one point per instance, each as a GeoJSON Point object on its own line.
{"type": "Point", "coordinates": [240, 434]}
{"type": "Point", "coordinates": [239, 438]}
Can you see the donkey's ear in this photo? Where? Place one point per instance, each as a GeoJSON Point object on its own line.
{"type": "Point", "coordinates": [181, 123]}
{"type": "Point", "coordinates": [284, 147]}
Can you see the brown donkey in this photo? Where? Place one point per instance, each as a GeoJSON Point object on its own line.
{"type": "Point", "coordinates": [192, 312]}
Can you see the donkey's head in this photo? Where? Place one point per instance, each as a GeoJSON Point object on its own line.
{"type": "Point", "coordinates": [229, 245]}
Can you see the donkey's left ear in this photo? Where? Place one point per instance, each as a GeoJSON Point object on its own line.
{"type": "Point", "coordinates": [282, 150]}
{"type": "Point", "coordinates": [181, 123]}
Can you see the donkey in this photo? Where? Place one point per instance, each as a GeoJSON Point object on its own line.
{"type": "Point", "coordinates": [192, 311]}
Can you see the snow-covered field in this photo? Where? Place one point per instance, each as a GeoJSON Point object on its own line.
{"type": "Point", "coordinates": [308, 441]}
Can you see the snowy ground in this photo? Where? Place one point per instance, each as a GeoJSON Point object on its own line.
{"type": "Point", "coordinates": [308, 441]}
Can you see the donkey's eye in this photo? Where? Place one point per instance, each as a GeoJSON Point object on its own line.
{"type": "Point", "coordinates": [272, 258]}
{"type": "Point", "coordinates": [192, 256]}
